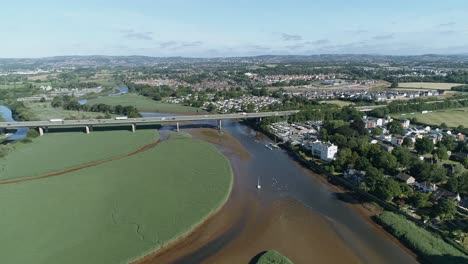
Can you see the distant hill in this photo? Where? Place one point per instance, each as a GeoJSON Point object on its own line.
{"type": "Point", "coordinates": [132, 61]}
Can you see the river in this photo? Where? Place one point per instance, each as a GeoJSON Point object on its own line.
{"type": "Point", "coordinates": [295, 212]}
{"type": "Point", "coordinates": [20, 133]}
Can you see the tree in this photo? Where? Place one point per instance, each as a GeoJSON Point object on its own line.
{"type": "Point", "coordinates": [420, 200]}
{"type": "Point", "coordinates": [373, 177]}
{"type": "Point", "coordinates": [443, 126]}
{"type": "Point", "coordinates": [441, 153]}
{"type": "Point", "coordinates": [446, 209]}
{"type": "Point", "coordinates": [395, 127]}
{"type": "Point", "coordinates": [359, 126]}
{"type": "Point", "coordinates": [407, 142]}
{"type": "Point", "coordinates": [458, 184]}
{"type": "Point", "coordinates": [386, 161]}
{"type": "Point", "coordinates": [377, 131]}
{"type": "Point", "coordinates": [42, 100]}
{"type": "Point", "coordinates": [394, 84]}
{"type": "Point", "coordinates": [343, 158]}
{"type": "Point", "coordinates": [465, 163]}
{"type": "Point", "coordinates": [157, 97]}
{"type": "Point", "coordinates": [449, 142]}
{"type": "Point", "coordinates": [424, 145]}
{"type": "Point", "coordinates": [403, 156]}
{"type": "Point", "coordinates": [387, 189]}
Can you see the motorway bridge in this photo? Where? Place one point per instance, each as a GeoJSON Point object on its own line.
{"type": "Point", "coordinates": [42, 126]}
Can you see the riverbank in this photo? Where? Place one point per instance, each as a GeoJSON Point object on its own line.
{"type": "Point", "coordinates": [277, 217]}
{"type": "Point", "coordinates": [117, 211]}
{"type": "Point", "coordinates": [360, 197]}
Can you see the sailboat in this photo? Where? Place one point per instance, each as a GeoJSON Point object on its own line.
{"type": "Point", "coordinates": [258, 183]}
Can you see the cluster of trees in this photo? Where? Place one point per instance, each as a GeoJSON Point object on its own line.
{"type": "Point", "coordinates": [461, 88]}
{"type": "Point", "coordinates": [355, 151]}
{"type": "Point", "coordinates": [20, 112]}
{"type": "Point", "coordinates": [417, 105]}
{"type": "Point", "coordinates": [71, 103]}
{"type": "Point", "coordinates": [452, 77]}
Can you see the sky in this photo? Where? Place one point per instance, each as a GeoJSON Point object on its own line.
{"type": "Point", "coordinates": [220, 28]}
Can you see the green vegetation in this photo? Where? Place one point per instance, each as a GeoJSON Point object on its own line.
{"type": "Point", "coordinates": [452, 117]}
{"type": "Point", "coordinates": [273, 257]}
{"type": "Point", "coordinates": [143, 104]}
{"type": "Point", "coordinates": [427, 85]}
{"type": "Point", "coordinates": [59, 151]}
{"type": "Point", "coordinates": [337, 102]}
{"type": "Point", "coordinates": [426, 244]}
{"type": "Point", "coordinates": [115, 212]}
{"type": "Point", "coordinates": [44, 111]}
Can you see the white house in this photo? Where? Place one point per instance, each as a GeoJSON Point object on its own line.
{"type": "Point", "coordinates": [325, 150]}
{"type": "Point", "coordinates": [405, 123]}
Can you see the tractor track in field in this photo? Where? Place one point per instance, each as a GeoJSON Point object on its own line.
{"type": "Point", "coordinates": [80, 167]}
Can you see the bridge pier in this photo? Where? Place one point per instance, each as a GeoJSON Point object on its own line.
{"type": "Point", "coordinates": [219, 124]}
{"type": "Point", "coordinates": [87, 129]}
{"type": "Point", "coordinates": [133, 128]}
{"type": "Point", "coordinates": [40, 130]}
{"type": "Point", "coordinates": [177, 127]}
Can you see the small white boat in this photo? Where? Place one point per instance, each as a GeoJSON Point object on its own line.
{"type": "Point", "coordinates": [258, 183]}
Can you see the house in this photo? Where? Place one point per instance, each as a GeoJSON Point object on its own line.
{"type": "Point", "coordinates": [370, 123]}
{"type": "Point", "coordinates": [386, 137]}
{"type": "Point", "coordinates": [405, 123]}
{"type": "Point", "coordinates": [441, 193]}
{"type": "Point", "coordinates": [425, 187]}
{"type": "Point", "coordinates": [397, 140]}
{"type": "Point", "coordinates": [405, 178]}
{"type": "Point", "coordinates": [447, 132]}
{"type": "Point", "coordinates": [324, 150]}
{"type": "Point", "coordinates": [386, 147]}
{"type": "Point", "coordinates": [460, 137]}
{"type": "Point", "coordinates": [463, 205]}
{"type": "Point", "coordinates": [354, 176]}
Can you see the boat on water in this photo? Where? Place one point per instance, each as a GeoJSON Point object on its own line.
{"type": "Point", "coordinates": [268, 146]}
{"type": "Point", "coordinates": [258, 183]}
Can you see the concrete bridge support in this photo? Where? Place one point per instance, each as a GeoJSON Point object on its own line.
{"type": "Point", "coordinates": [87, 129]}
{"type": "Point", "coordinates": [220, 124]}
{"type": "Point", "coordinates": [40, 130]}
{"type": "Point", "coordinates": [177, 127]}
{"type": "Point", "coordinates": [133, 128]}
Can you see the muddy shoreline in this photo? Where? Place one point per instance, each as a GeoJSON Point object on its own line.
{"type": "Point", "coordinates": [259, 224]}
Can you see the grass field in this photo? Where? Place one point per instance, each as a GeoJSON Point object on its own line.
{"type": "Point", "coordinates": [426, 244]}
{"type": "Point", "coordinates": [58, 151]}
{"type": "Point", "coordinates": [44, 111]}
{"type": "Point", "coordinates": [143, 104]}
{"type": "Point", "coordinates": [428, 85]}
{"type": "Point", "coordinates": [273, 257]}
{"type": "Point", "coordinates": [117, 211]}
{"type": "Point", "coordinates": [451, 117]}
{"type": "Point", "coordinates": [337, 102]}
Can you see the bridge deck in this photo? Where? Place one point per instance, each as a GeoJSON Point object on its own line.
{"type": "Point", "coordinates": [141, 120]}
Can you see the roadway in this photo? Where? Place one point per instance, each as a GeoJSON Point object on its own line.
{"type": "Point", "coordinates": [142, 120]}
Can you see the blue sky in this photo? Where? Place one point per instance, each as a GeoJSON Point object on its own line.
{"type": "Point", "coordinates": [213, 28]}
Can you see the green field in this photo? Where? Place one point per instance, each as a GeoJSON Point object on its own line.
{"type": "Point", "coordinates": [337, 102]}
{"type": "Point", "coordinates": [115, 212]}
{"type": "Point", "coordinates": [428, 85]}
{"type": "Point", "coordinates": [426, 244]}
{"type": "Point", "coordinates": [44, 111]}
{"type": "Point", "coordinates": [143, 104]}
{"type": "Point", "coordinates": [59, 151]}
{"type": "Point", "coordinates": [451, 117]}
{"type": "Point", "coordinates": [273, 257]}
